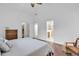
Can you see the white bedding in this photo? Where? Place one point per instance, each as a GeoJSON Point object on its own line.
{"type": "Point", "coordinates": [27, 47]}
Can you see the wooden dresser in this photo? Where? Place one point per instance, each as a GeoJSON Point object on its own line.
{"type": "Point", "coordinates": [11, 34]}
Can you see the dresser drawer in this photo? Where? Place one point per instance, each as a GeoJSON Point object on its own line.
{"type": "Point", "coordinates": [11, 31]}
{"type": "Point", "coordinates": [11, 34]}
{"type": "Point", "coordinates": [10, 37]}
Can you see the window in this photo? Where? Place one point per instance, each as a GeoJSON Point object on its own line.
{"type": "Point", "coordinates": [36, 30]}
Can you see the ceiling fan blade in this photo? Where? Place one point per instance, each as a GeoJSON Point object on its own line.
{"type": "Point", "coordinates": [39, 3]}
{"type": "Point", "coordinates": [32, 4]}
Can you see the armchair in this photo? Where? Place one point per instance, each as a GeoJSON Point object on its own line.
{"type": "Point", "coordinates": [73, 47]}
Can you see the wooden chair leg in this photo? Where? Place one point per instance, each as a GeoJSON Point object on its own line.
{"type": "Point", "coordinates": [68, 53]}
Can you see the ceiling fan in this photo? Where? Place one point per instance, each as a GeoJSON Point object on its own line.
{"type": "Point", "coordinates": [33, 4]}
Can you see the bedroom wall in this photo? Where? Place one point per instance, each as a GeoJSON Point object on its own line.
{"type": "Point", "coordinates": [66, 23]}
{"type": "Point", "coordinates": [11, 16]}
{"type": "Point", "coordinates": [66, 18]}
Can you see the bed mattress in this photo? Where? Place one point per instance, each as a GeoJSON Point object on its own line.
{"type": "Point", "coordinates": [27, 47]}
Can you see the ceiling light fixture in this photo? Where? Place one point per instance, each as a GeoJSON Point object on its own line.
{"type": "Point", "coordinates": [33, 4]}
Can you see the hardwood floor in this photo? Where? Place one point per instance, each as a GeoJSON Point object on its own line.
{"type": "Point", "coordinates": [58, 50]}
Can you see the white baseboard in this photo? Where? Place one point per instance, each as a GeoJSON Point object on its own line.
{"type": "Point", "coordinates": [58, 42]}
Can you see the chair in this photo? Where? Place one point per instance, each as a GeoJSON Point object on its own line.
{"type": "Point", "coordinates": [73, 47]}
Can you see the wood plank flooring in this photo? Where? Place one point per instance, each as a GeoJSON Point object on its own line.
{"type": "Point", "coordinates": [58, 50]}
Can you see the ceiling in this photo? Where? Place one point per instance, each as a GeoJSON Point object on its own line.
{"type": "Point", "coordinates": [41, 11]}
{"type": "Point", "coordinates": [27, 7]}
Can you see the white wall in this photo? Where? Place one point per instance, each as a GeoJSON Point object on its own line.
{"type": "Point", "coordinates": [66, 22]}
{"type": "Point", "coordinates": [66, 18]}
{"type": "Point", "coordinates": [12, 17]}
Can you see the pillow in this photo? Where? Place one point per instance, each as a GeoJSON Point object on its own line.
{"type": "Point", "coordinates": [1, 40]}
{"type": "Point", "coordinates": [9, 44]}
{"type": "Point", "coordinates": [4, 47]}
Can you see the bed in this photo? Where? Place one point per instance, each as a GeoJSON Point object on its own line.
{"type": "Point", "coordinates": [27, 47]}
